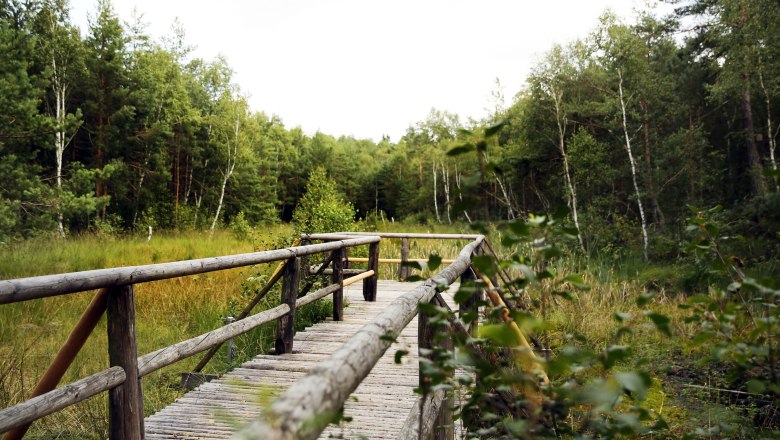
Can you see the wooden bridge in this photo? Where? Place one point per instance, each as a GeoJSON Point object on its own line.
{"type": "Point", "coordinates": [344, 366]}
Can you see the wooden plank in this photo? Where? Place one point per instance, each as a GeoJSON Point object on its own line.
{"type": "Point", "coordinates": [370, 283]}
{"type": "Point", "coordinates": [378, 406]}
{"type": "Point", "coordinates": [55, 400]}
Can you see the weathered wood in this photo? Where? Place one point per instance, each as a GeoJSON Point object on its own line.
{"type": "Point", "coordinates": [55, 400]}
{"type": "Point", "coordinates": [423, 415]}
{"type": "Point", "coordinates": [362, 276]}
{"type": "Point", "coordinates": [400, 260]}
{"type": "Point", "coordinates": [155, 360]}
{"type": "Point", "coordinates": [427, 342]}
{"type": "Point", "coordinates": [244, 313]}
{"type": "Point", "coordinates": [348, 272]}
{"type": "Point", "coordinates": [337, 277]}
{"type": "Point", "coordinates": [345, 235]}
{"type": "Point", "coordinates": [24, 289]}
{"type": "Point", "coordinates": [285, 325]}
{"type": "Point", "coordinates": [125, 401]}
{"type": "Point", "coordinates": [404, 270]}
{"type": "Point", "coordinates": [314, 296]}
{"type": "Point", "coordinates": [302, 411]}
{"type": "Point", "coordinates": [370, 283]}
{"type": "Point", "coordinates": [67, 353]}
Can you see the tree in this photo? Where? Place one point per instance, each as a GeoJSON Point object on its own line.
{"type": "Point", "coordinates": [322, 208]}
{"type": "Point", "coordinates": [60, 48]}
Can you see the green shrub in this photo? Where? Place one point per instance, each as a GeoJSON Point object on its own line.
{"type": "Point", "coordinates": [322, 208]}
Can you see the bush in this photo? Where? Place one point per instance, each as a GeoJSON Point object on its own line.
{"type": "Point", "coordinates": [322, 208]}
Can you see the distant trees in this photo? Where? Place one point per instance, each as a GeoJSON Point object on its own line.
{"type": "Point", "coordinates": [626, 126]}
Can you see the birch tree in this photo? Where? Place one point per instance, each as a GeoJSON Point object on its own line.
{"type": "Point", "coordinates": [234, 112]}
{"type": "Point", "coordinates": [60, 46]}
{"type": "Point", "coordinates": [550, 77]}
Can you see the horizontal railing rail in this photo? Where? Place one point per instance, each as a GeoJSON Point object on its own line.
{"type": "Point", "coordinates": [116, 297]}
{"type": "Point", "coordinates": [24, 289]}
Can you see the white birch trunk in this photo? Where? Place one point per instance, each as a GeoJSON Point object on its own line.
{"type": "Point", "coordinates": [771, 136]}
{"type": "Point", "coordinates": [445, 177]}
{"type": "Point", "coordinates": [507, 200]}
{"type": "Point", "coordinates": [460, 193]}
{"type": "Point", "coordinates": [561, 121]}
{"type": "Point", "coordinates": [230, 166]}
{"type": "Point", "coordinates": [633, 164]}
{"type": "Point", "coordinates": [435, 201]}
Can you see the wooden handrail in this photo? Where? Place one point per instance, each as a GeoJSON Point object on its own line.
{"type": "Point", "coordinates": [116, 296]}
{"type": "Point", "coordinates": [24, 289]}
{"type": "Point", "coordinates": [53, 401]}
{"type": "Point", "coordinates": [66, 354]}
{"type": "Point", "coordinates": [304, 410]}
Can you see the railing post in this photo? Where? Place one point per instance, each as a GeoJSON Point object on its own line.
{"type": "Point", "coordinates": [285, 326]}
{"type": "Point", "coordinates": [443, 426]}
{"type": "Point", "coordinates": [125, 402]}
{"type": "Point", "coordinates": [403, 270]}
{"type": "Point", "coordinates": [370, 283]}
{"type": "Point", "coordinates": [338, 278]}
{"type": "Point", "coordinates": [472, 304]}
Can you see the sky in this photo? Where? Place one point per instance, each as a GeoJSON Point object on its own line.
{"type": "Point", "coordinates": [369, 68]}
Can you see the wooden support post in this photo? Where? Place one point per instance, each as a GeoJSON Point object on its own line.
{"type": "Point", "coordinates": [370, 284]}
{"type": "Point", "coordinates": [403, 271]}
{"type": "Point", "coordinates": [472, 304]}
{"type": "Point", "coordinates": [125, 402]}
{"type": "Point", "coordinates": [285, 325]}
{"type": "Point", "coordinates": [426, 340]}
{"type": "Point", "coordinates": [338, 278]}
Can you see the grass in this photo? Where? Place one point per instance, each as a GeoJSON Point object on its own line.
{"type": "Point", "coordinates": [172, 310]}
{"type": "Point", "coordinates": [167, 311]}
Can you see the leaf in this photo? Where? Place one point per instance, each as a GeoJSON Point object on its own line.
{"type": "Point", "coordinates": [520, 228]}
{"type": "Point", "coordinates": [461, 149]}
{"type": "Point", "coordinates": [499, 333]}
{"type": "Point", "coordinates": [621, 316]}
{"type": "Point", "coordinates": [399, 355]}
{"type": "Point", "coordinates": [484, 264]}
{"type": "Point", "coordinates": [464, 132]}
{"type": "Point", "coordinates": [412, 264]}
{"type": "Point", "coordinates": [661, 322]}
{"type": "Point", "coordinates": [464, 293]}
{"type": "Point", "coordinates": [645, 299]}
{"type": "Point", "coordinates": [635, 382]}
{"type": "Point", "coordinates": [434, 261]}
{"type": "Point", "coordinates": [577, 282]}
{"type": "Point", "coordinates": [561, 213]}
{"type": "Point", "coordinates": [495, 128]}
{"type": "Point", "coordinates": [756, 386]}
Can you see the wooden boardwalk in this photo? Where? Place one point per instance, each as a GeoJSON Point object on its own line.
{"type": "Point", "coordinates": [377, 408]}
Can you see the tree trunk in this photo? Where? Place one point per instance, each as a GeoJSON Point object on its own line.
{"type": "Point", "coordinates": [633, 165]}
{"type": "Point", "coordinates": [771, 137]}
{"type": "Point", "coordinates": [230, 166]}
{"type": "Point", "coordinates": [658, 215]}
{"type": "Point", "coordinates": [755, 169]}
{"type": "Point", "coordinates": [435, 201]}
{"type": "Point", "coordinates": [561, 121]}
{"type": "Point", "coordinates": [445, 174]}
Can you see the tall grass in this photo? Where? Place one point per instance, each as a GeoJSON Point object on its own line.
{"type": "Point", "coordinates": [167, 311]}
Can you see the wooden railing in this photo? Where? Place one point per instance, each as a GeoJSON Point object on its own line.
{"type": "Point", "coordinates": [115, 297]}
{"type": "Point", "coordinates": [306, 408]}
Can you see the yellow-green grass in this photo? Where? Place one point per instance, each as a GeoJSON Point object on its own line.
{"type": "Point", "coordinates": [167, 311]}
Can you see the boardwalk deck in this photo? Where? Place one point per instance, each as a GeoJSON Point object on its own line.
{"type": "Point", "coordinates": [377, 408]}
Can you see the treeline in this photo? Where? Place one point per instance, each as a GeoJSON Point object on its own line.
{"type": "Point", "coordinates": [627, 126]}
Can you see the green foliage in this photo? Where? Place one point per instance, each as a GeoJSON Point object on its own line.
{"type": "Point", "coordinates": [322, 208]}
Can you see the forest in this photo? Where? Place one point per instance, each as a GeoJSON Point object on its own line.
{"type": "Point", "coordinates": [626, 126]}
{"type": "Point", "coordinates": [649, 144]}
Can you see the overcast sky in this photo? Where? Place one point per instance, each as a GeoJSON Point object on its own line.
{"type": "Point", "coordinates": [367, 68]}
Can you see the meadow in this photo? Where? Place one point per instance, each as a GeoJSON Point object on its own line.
{"type": "Point", "coordinates": [684, 384]}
